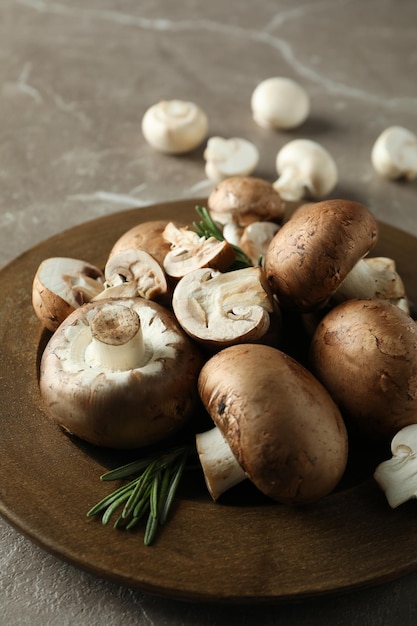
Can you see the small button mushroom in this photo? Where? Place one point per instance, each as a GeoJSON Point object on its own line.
{"type": "Point", "coordinates": [255, 239]}
{"type": "Point", "coordinates": [189, 252]}
{"type": "Point", "coordinates": [397, 476]}
{"type": "Point", "coordinates": [282, 427]}
{"type": "Point", "coordinates": [62, 284]}
{"type": "Point", "coordinates": [229, 157]}
{"type": "Point", "coordinates": [315, 250]}
{"type": "Point", "coordinates": [135, 273]}
{"type": "Point", "coordinates": [120, 373]}
{"type": "Point", "coordinates": [245, 199]}
{"type": "Point", "coordinates": [224, 309]}
{"type": "Point", "coordinates": [394, 153]}
{"type": "Point", "coordinates": [174, 126]}
{"type": "Point", "coordinates": [280, 103]}
{"type": "Point", "coordinates": [306, 170]}
{"type": "Point", "coordinates": [365, 353]}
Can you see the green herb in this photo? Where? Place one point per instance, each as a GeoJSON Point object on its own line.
{"type": "Point", "coordinates": [151, 491]}
{"type": "Point", "coordinates": [208, 228]}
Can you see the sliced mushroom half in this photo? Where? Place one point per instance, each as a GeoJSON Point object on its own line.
{"type": "Point", "coordinates": [62, 284]}
{"type": "Point", "coordinates": [224, 309]}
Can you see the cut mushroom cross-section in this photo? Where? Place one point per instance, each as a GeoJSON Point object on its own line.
{"type": "Point", "coordinates": [223, 309]}
{"type": "Point", "coordinates": [120, 373]}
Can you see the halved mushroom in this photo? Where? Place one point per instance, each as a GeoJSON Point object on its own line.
{"type": "Point", "coordinates": [131, 273]}
{"type": "Point", "coordinates": [224, 309]}
{"type": "Point", "coordinates": [274, 424]}
{"type": "Point", "coordinates": [397, 476]}
{"type": "Point", "coordinates": [189, 251]}
{"type": "Point", "coordinates": [315, 250]}
{"type": "Point", "coordinates": [62, 284]}
{"type": "Point", "coordinates": [365, 353]}
{"type": "Point", "coordinates": [120, 373]}
{"type": "Point", "coordinates": [230, 157]}
{"type": "Point", "coordinates": [245, 199]}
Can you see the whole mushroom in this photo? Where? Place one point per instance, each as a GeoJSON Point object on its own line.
{"type": "Point", "coordinates": [229, 157]}
{"type": "Point", "coordinates": [394, 153]}
{"type": "Point", "coordinates": [317, 249]}
{"type": "Point", "coordinates": [120, 373]}
{"type": "Point", "coordinates": [365, 353]}
{"type": "Point", "coordinates": [305, 170]}
{"type": "Point", "coordinates": [274, 424]}
{"type": "Point", "coordinates": [280, 103]}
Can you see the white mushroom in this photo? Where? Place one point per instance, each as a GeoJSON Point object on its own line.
{"type": "Point", "coordinates": [120, 373]}
{"type": "Point", "coordinates": [174, 126]}
{"type": "Point", "coordinates": [62, 284]}
{"type": "Point", "coordinates": [394, 154]}
{"type": "Point", "coordinates": [397, 476]}
{"type": "Point", "coordinates": [229, 157]}
{"type": "Point", "coordinates": [280, 103]}
{"type": "Point", "coordinates": [305, 169]}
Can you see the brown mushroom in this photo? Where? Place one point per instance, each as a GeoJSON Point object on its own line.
{"type": "Point", "coordinates": [365, 353]}
{"type": "Point", "coordinates": [312, 254]}
{"type": "Point", "coordinates": [62, 284]}
{"type": "Point", "coordinates": [275, 421]}
{"type": "Point", "coordinates": [245, 199]}
{"type": "Point", "coordinates": [120, 373]}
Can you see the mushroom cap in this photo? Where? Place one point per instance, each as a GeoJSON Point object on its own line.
{"type": "Point", "coordinates": [280, 102]}
{"type": "Point", "coordinates": [314, 251]}
{"type": "Point", "coordinates": [394, 153]}
{"type": "Point", "coordinates": [365, 353]}
{"type": "Point", "coordinates": [174, 126]}
{"type": "Point", "coordinates": [121, 409]}
{"type": "Point", "coordinates": [245, 199]}
{"type": "Point", "coordinates": [230, 157]}
{"type": "Point", "coordinates": [280, 423]}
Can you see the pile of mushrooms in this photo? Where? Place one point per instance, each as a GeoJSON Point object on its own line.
{"type": "Point", "coordinates": [170, 324]}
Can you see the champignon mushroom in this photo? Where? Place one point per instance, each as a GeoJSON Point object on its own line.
{"type": "Point", "coordinates": [189, 251]}
{"type": "Point", "coordinates": [62, 284]}
{"type": "Point", "coordinates": [120, 373]}
{"type": "Point", "coordinates": [224, 309]}
{"type": "Point", "coordinates": [315, 250]}
{"type": "Point", "coordinates": [174, 126]}
{"type": "Point", "coordinates": [278, 422]}
{"type": "Point", "coordinates": [394, 153]}
{"type": "Point", "coordinates": [280, 103]}
{"type": "Point", "coordinates": [305, 169]}
{"type": "Point", "coordinates": [133, 272]}
{"type": "Point", "coordinates": [245, 199]}
{"type": "Point", "coordinates": [229, 157]}
{"type": "Point", "coordinates": [365, 353]}
{"type": "Point", "coordinates": [255, 239]}
{"type": "Point", "coordinates": [397, 476]}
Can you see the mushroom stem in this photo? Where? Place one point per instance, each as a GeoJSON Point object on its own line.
{"type": "Point", "coordinates": [220, 467]}
{"type": "Point", "coordinates": [397, 477]}
{"type": "Point", "coordinates": [116, 339]}
{"type": "Point", "coordinates": [371, 278]}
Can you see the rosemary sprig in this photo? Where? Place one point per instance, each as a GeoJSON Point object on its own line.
{"type": "Point", "coordinates": [206, 227]}
{"type": "Point", "coordinates": [150, 491]}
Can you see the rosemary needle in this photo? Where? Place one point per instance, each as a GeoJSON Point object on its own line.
{"type": "Point", "coordinates": [151, 490]}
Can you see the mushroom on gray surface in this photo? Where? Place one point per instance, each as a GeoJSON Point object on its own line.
{"type": "Point", "coordinates": [305, 170]}
{"type": "Point", "coordinates": [394, 153]}
{"type": "Point", "coordinates": [229, 157]}
{"type": "Point", "coordinates": [365, 353]}
{"type": "Point", "coordinates": [223, 309]}
{"type": "Point", "coordinates": [120, 373]}
{"type": "Point", "coordinates": [279, 423]}
{"type": "Point", "coordinates": [175, 126]}
{"type": "Point", "coordinates": [280, 103]}
{"type": "Point", "coordinates": [62, 284]}
{"type": "Point", "coordinates": [397, 476]}
{"type": "Point", "coordinates": [315, 250]}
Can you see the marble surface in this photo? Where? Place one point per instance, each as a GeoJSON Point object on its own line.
{"type": "Point", "coordinates": [75, 80]}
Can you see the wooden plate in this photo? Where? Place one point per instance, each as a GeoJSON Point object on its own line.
{"type": "Point", "coordinates": [241, 550]}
